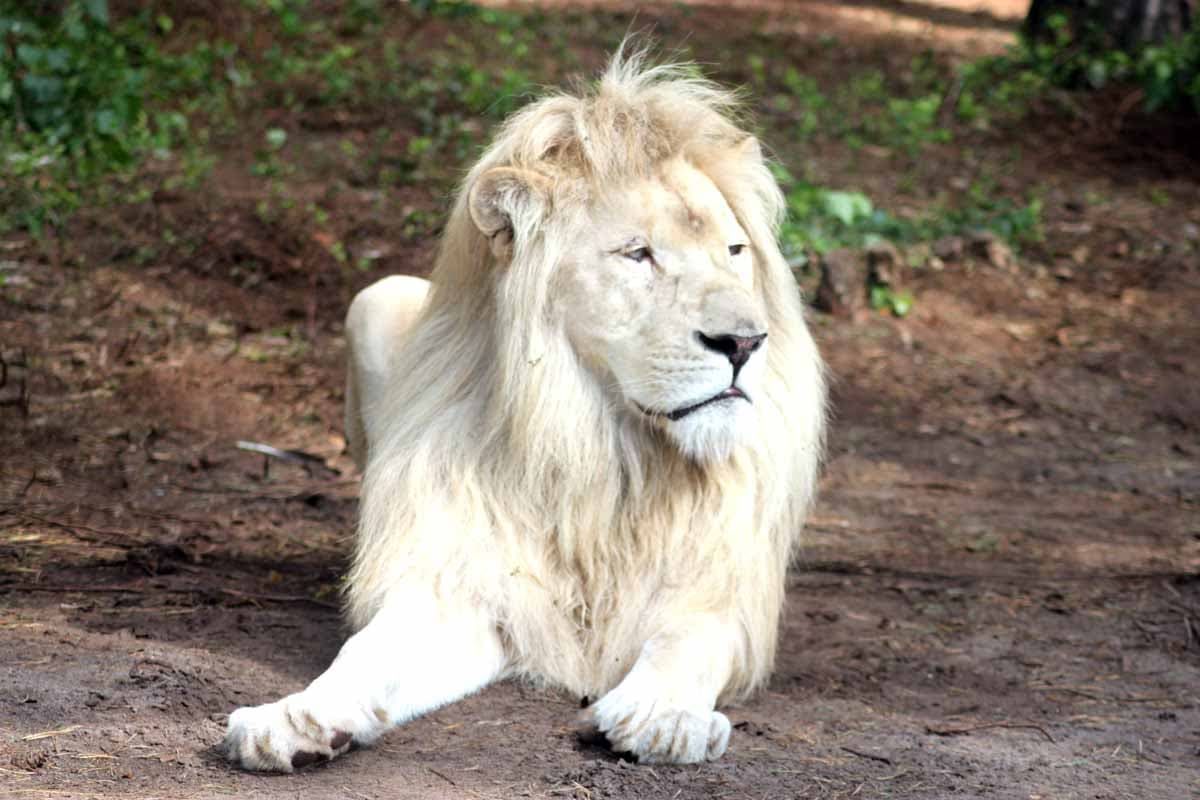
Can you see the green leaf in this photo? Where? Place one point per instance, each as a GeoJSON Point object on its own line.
{"type": "Point", "coordinates": [1097, 73]}
{"type": "Point", "coordinates": [902, 304]}
{"type": "Point", "coordinates": [57, 59]}
{"type": "Point", "coordinates": [276, 138]}
{"type": "Point", "coordinates": [879, 296]}
{"type": "Point", "coordinates": [42, 89]}
{"type": "Point", "coordinates": [107, 122]}
{"type": "Point", "coordinates": [847, 207]}
{"type": "Point", "coordinates": [11, 25]}
{"type": "Point", "coordinates": [884, 297]}
{"type": "Point", "coordinates": [97, 10]}
{"type": "Point", "coordinates": [31, 55]}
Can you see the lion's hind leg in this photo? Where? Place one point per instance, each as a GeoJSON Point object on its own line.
{"type": "Point", "coordinates": [380, 316]}
{"type": "Point", "coordinates": [415, 655]}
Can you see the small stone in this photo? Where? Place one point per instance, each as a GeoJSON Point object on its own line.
{"type": "Point", "coordinates": [1134, 297]}
{"type": "Point", "coordinates": [220, 330]}
{"type": "Point", "coordinates": [1021, 331]}
{"type": "Point", "coordinates": [992, 249]}
{"type": "Point", "coordinates": [884, 263]}
{"type": "Point", "coordinates": [50, 476]}
{"type": "Point", "coordinates": [30, 762]}
{"type": "Point", "coordinates": [916, 255]}
{"type": "Point", "coordinates": [843, 283]}
{"type": "Point", "coordinates": [949, 248]}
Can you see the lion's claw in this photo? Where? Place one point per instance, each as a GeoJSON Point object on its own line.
{"type": "Point", "coordinates": [277, 738]}
{"type": "Point", "coordinates": [658, 736]}
{"type": "Point", "coordinates": [304, 759]}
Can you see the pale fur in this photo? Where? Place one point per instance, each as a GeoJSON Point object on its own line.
{"type": "Point", "coordinates": [378, 319]}
{"type": "Point", "coordinates": [565, 515]}
{"type": "Point", "coordinates": [609, 552]}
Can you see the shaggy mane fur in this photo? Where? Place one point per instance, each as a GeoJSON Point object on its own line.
{"type": "Point", "coordinates": [505, 476]}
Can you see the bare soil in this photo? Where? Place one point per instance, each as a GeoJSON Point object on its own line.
{"type": "Point", "coordinates": [999, 596]}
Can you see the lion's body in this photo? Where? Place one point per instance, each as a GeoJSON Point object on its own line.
{"type": "Point", "coordinates": [503, 470]}
{"type": "Point", "coordinates": [379, 319]}
{"type": "Point", "coordinates": [509, 483]}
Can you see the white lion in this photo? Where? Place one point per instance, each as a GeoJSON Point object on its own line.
{"type": "Point", "coordinates": [588, 454]}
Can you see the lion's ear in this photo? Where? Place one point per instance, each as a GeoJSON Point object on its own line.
{"type": "Point", "coordinates": [749, 149]}
{"type": "Point", "coordinates": [501, 199]}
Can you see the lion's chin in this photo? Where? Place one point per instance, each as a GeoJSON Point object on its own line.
{"type": "Point", "coordinates": [711, 434]}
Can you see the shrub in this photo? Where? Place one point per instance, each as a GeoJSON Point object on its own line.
{"type": "Point", "coordinates": [74, 92]}
{"type": "Point", "coordinates": [1074, 57]}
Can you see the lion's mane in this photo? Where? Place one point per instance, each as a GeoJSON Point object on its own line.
{"type": "Point", "coordinates": [504, 475]}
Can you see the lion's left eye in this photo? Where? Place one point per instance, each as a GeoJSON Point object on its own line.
{"type": "Point", "coordinates": [639, 255]}
{"type": "Point", "coordinates": [736, 249]}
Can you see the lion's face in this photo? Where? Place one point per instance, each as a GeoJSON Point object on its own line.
{"type": "Point", "coordinates": [658, 301]}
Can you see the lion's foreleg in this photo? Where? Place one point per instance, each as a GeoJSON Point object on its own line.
{"type": "Point", "coordinates": [663, 710]}
{"type": "Point", "coordinates": [412, 657]}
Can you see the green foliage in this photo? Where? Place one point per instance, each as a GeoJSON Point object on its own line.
{"type": "Point", "coordinates": [91, 105]}
{"type": "Point", "coordinates": [867, 109]}
{"type": "Point", "coordinates": [1076, 57]}
{"type": "Point", "coordinates": [450, 86]}
{"type": "Point", "coordinates": [267, 160]}
{"type": "Point", "coordinates": [790, 95]}
{"type": "Point", "coordinates": [888, 116]}
{"type": "Point", "coordinates": [821, 219]}
{"type": "Point", "coordinates": [1170, 73]}
{"type": "Point", "coordinates": [450, 9]}
{"type": "Point", "coordinates": [809, 103]}
{"type": "Point", "coordinates": [884, 297]}
{"type": "Point", "coordinates": [77, 104]}
{"type": "Point", "coordinates": [997, 89]}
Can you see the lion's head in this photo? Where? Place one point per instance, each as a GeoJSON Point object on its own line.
{"type": "Point", "coordinates": [656, 293]}
{"type": "Point", "coordinates": [637, 223]}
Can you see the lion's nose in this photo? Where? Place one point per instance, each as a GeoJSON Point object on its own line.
{"type": "Point", "coordinates": [736, 348]}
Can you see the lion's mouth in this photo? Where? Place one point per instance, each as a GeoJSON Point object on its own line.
{"type": "Point", "coordinates": [732, 393]}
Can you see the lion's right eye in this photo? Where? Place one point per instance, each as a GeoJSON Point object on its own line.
{"type": "Point", "coordinates": [639, 255]}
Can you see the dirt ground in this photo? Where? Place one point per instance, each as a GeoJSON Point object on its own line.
{"type": "Point", "coordinates": [999, 596]}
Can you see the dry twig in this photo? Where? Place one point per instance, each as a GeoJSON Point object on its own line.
{"type": "Point", "coordinates": [266, 598]}
{"type": "Point", "coordinates": [33, 737]}
{"type": "Point", "coordinates": [972, 728]}
{"type": "Point", "coordinates": [87, 533]}
{"type": "Point", "coordinates": [871, 756]}
{"type": "Point", "coordinates": [280, 598]}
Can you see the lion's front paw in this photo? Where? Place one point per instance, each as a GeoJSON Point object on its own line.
{"type": "Point", "coordinates": [280, 737]}
{"type": "Point", "coordinates": [659, 734]}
